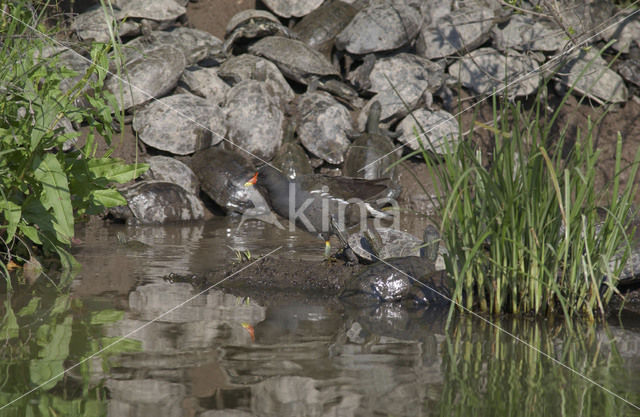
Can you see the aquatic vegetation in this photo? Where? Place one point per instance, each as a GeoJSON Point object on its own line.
{"type": "Point", "coordinates": [526, 228]}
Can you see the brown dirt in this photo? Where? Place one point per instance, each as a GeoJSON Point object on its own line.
{"type": "Point", "coordinates": [212, 15]}
{"type": "Point", "coordinates": [288, 275]}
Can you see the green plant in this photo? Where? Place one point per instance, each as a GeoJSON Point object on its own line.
{"type": "Point", "coordinates": [42, 189]}
{"type": "Point", "coordinates": [527, 230]}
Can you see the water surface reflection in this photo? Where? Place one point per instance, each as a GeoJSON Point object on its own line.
{"type": "Point", "coordinates": [292, 355]}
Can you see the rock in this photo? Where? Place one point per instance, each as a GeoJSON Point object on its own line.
{"type": "Point", "coordinates": [626, 32]}
{"type": "Point", "coordinates": [440, 127]}
{"type": "Point", "coordinates": [630, 71]}
{"type": "Point", "coordinates": [597, 81]}
{"type": "Point", "coordinates": [181, 124]}
{"type": "Point", "coordinates": [463, 30]}
{"type": "Point", "coordinates": [483, 71]}
{"type": "Point", "coordinates": [524, 33]}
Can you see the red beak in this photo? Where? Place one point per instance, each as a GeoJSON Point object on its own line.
{"type": "Point", "coordinates": [252, 181]}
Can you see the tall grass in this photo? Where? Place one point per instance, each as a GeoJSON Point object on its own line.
{"type": "Point", "coordinates": [526, 229]}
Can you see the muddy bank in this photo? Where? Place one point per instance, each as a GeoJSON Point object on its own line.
{"type": "Point", "coordinates": [277, 273]}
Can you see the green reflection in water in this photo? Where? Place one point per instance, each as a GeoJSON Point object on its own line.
{"type": "Point", "coordinates": [488, 372]}
{"type": "Point", "coordinates": [43, 332]}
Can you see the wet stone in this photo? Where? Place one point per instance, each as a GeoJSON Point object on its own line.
{"type": "Point", "coordinates": [597, 82]}
{"type": "Point", "coordinates": [289, 8]}
{"type": "Point", "coordinates": [206, 83]}
{"type": "Point", "coordinates": [523, 33]}
{"type": "Point", "coordinates": [441, 128]}
{"type": "Point", "coordinates": [166, 169]}
{"type": "Point", "coordinates": [251, 67]}
{"type": "Point", "coordinates": [380, 27]}
{"type": "Point", "coordinates": [151, 76]}
{"type": "Point", "coordinates": [323, 124]}
{"type": "Point", "coordinates": [483, 71]}
{"type": "Point", "coordinates": [181, 124]}
{"type": "Point", "coordinates": [462, 30]}
{"type": "Point", "coordinates": [254, 118]}
{"type": "Point", "coordinates": [153, 202]}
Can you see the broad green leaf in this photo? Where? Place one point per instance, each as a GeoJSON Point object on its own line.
{"type": "Point", "coordinates": [12, 214]}
{"type": "Point", "coordinates": [108, 198]}
{"type": "Point", "coordinates": [115, 169]}
{"type": "Point", "coordinates": [56, 195]}
{"type": "Point", "coordinates": [9, 328]}
{"type": "Point", "coordinates": [54, 340]}
{"type": "Point", "coordinates": [122, 345]}
{"type": "Point", "coordinates": [44, 370]}
{"type": "Point", "coordinates": [30, 308]}
{"type": "Point", "coordinates": [61, 305]}
{"type": "Point", "coordinates": [69, 266]}
{"type": "Point", "coordinates": [30, 232]}
{"type": "Point", "coordinates": [105, 317]}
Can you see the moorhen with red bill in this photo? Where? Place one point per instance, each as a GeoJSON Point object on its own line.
{"type": "Point", "coordinates": [320, 203]}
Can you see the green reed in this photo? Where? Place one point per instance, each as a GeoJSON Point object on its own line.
{"type": "Point", "coordinates": [526, 228]}
{"type": "Point", "coordinates": [487, 372]}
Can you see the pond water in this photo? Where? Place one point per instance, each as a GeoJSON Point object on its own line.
{"type": "Point", "coordinates": [221, 354]}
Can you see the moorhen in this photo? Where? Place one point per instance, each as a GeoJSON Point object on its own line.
{"type": "Point", "coordinates": [321, 203]}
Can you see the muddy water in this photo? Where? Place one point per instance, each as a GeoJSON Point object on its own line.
{"type": "Point", "coordinates": [285, 355]}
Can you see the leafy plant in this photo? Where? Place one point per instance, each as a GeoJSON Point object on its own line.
{"type": "Point", "coordinates": [42, 188]}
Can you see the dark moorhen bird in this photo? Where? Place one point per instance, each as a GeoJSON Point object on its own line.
{"type": "Point", "coordinates": [321, 203]}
